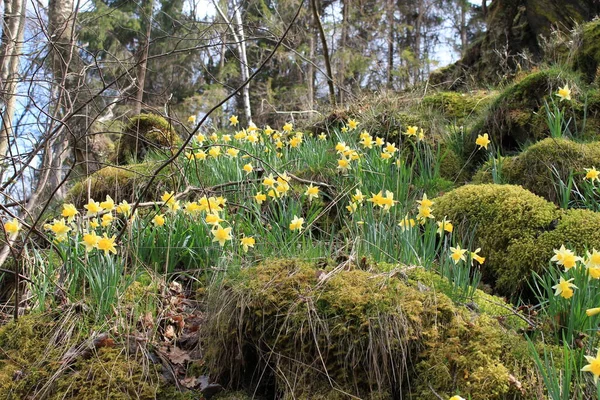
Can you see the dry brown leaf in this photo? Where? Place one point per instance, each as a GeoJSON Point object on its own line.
{"type": "Point", "coordinates": [178, 356]}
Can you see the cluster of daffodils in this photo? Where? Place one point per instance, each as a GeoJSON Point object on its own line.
{"type": "Point", "coordinates": [568, 259]}
{"type": "Point", "coordinates": [457, 254]}
{"type": "Point", "coordinates": [214, 145]}
{"type": "Point", "coordinates": [94, 228]}
{"type": "Point", "coordinates": [383, 201]}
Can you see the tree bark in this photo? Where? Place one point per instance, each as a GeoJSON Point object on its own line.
{"type": "Point", "coordinates": [390, 44]}
{"type": "Point", "coordinates": [147, 11]}
{"type": "Point", "coordinates": [237, 30]}
{"type": "Point", "coordinates": [13, 26]}
{"type": "Point", "coordinates": [326, 58]}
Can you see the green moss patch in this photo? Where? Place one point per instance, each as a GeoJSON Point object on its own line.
{"type": "Point", "coordinates": [35, 363]}
{"type": "Point", "coordinates": [121, 183]}
{"type": "Point", "coordinates": [587, 56]}
{"type": "Point", "coordinates": [303, 332]}
{"type": "Point", "coordinates": [542, 166]}
{"type": "Point", "coordinates": [143, 133]}
{"type": "Point", "coordinates": [515, 229]}
{"type": "Point", "coordinates": [517, 116]}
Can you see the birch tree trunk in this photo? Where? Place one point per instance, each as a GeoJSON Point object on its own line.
{"type": "Point", "coordinates": [237, 30]}
{"type": "Point", "coordinates": [13, 28]}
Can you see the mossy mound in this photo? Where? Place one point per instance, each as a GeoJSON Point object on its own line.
{"type": "Point", "coordinates": [143, 133]}
{"type": "Point", "coordinates": [517, 116]}
{"type": "Point", "coordinates": [34, 363]}
{"type": "Point", "coordinates": [121, 183]}
{"type": "Point", "coordinates": [515, 229]}
{"type": "Point", "coordinates": [304, 332]}
{"type": "Point", "coordinates": [543, 165]}
{"type": "Point", "coordinates": [458, 106]}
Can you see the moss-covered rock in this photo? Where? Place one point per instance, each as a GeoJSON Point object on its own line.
{"type": "Point", "coordinates": [515, 229]}
{"type": "Point", "coordinates": [121, 183]}
{"type": "Point", "coordinates": [145, 132]}
{"type": "Point", "coordinates": [33, 365]}
{"type": "Point", "coordinates": [457, 106]}
{"type": "Point", "coordinates": [327, 334]}
{"type": "Point", "coordinates": [517, 116]}
{"type": "Point", "coordinates": [587, 56]}
{"type": "Point", "coordinates": [517, 27]}
{"type": "Point", "coordinates": [542, 166]}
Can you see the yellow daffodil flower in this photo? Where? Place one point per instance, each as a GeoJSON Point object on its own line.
{"type": "Point", "coordinates": [246, 242]}
{"type": "Point", "coordinates": [69, 211]}
{"type": "Point", "coordinates": [411, 131]}
{"type": "Point", "coordinates": [593, 366]}
{"type": "Point", "coordinates": [482, 141]}
{"type": "Point", "coordinates": [260, 197]}
{"type": "Point", "coordinates": [312, 192]}
{"type": "Point", "coordinates": [107, 244]}
{"type": "Point", "coordinates": [564, 288]}
{"type": "Point", "coordinates": [158, 220]}
{"type": "Point", "coordinates": [124, 208]}
{"type": "Point", "coordinates": [590, 312]}
{"type": "Point", "coordinates": [296, 224]}
{"type": "Point", "coordinates": [457, 254]}
{"type": "Point", "coordinates": [592, 174]}
{"type": "Point", "coordinates": [564, 93]}
{"type": "Point", "coordinates": [90, 241]}
{"type": "Point", "coordinates": [92, 207]}
{"type": "Point", "coordinates": [233, 120]}
{"type": "Point", "coordinates": [221, 234]}
{"type": "Point", "coordinates": [475, 256]}
{"type": "Point", "coordinates": [12, 227]}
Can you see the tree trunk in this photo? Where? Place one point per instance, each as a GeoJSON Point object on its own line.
{"type": "Point", "coordinates": [514, 28]}
{"type": "Point", "coordinates": [237, 30]}
{"type": "Point", "coordinates": [390, 43]}
{"type": "Point", "coordinates": [310, 79]}
{"type": "Point", "coordinates": [243, 62]}
{"type": "Point", "coordinates": [12, 41]}
{"type": "Point", "coordinates": [463, 27]}
{"type": "Point", "coordinates": [60, 29]}
{"type": "Point", "coordinates": [315, 11]}
{"type": "Point", "coordinates": [147, 11]}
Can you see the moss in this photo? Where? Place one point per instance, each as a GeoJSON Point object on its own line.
{"type": "Point", "coordinates": [541, 166]}
{"type": "Point", "coordinates": [121, 183]}
{"type": "Point", "coordinates": [281, 324]}
{"type": "Point", "coordinates": [112, 374]}
{"type": "Point", "coordinates": [32, 366]}
{"type": "Point", "coordinates": [145, 132]}
{"type": "Point", "coordinates": [587, 56]}
{"type": "Point", "coordinates": [516, 230]}
{"type": "Point", "coordinates": [517, 117]}
{"type": "Point", "coordinates": [577, 229]}
{"type": "Point", "coordinates": [497, 217]}
{"type": "Point", "coordinates": [451, 165]}
{"type": "Point", "coordinates": [457, 106]}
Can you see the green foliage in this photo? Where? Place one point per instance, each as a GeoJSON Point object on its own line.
{"type": "Point", "coordinates": [514, 119]}
{"type": "Point", "coordinates": [143, 133]}
{"type": "Point", "coordinates": [456, 106]}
